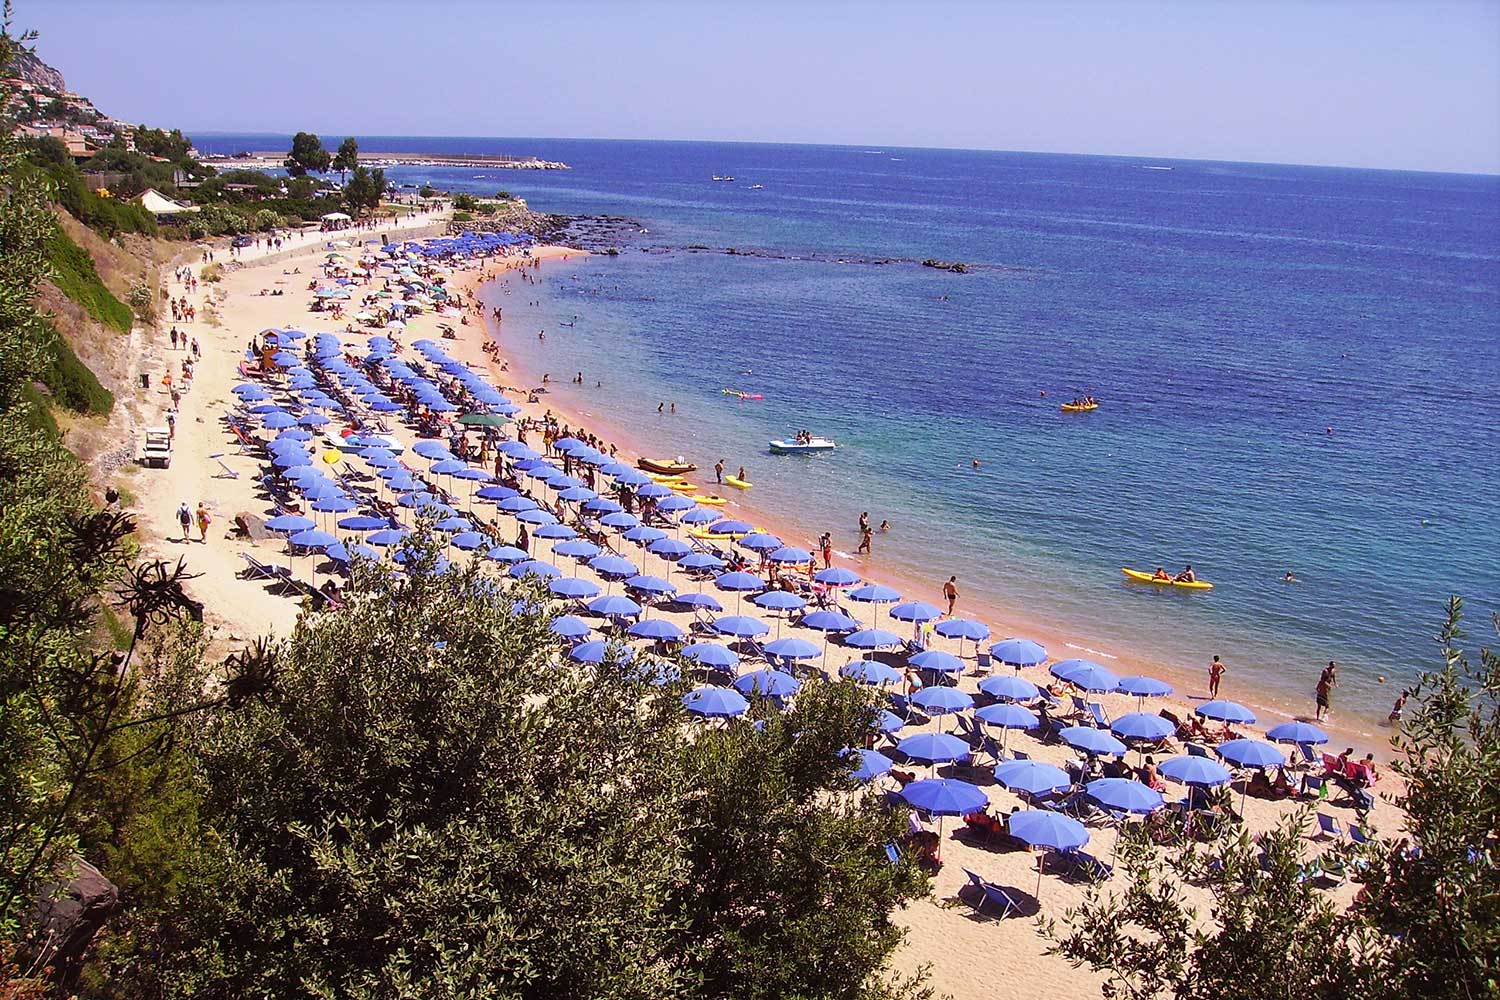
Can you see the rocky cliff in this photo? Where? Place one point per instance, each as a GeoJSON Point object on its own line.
{"type": "Point", "coordinates": [28, 67]}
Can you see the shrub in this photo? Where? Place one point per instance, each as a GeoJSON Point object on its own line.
{"type": "Point", "coordinates": [465, 203]}
{"type": "Point", "coordinates": [71, 382]}
{"type": "Point", "coordinates": [76, 277]}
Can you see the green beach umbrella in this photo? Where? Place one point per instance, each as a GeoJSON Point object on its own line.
{"type": "Point", "coordinates": [483, 420]}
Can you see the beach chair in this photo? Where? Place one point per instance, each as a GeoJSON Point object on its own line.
{"type": "Point", "coordinates": [993, 895]}
{"type": "Point", "coordinates": [1197, 750]}
{"type": "Point", "coordinates": [1358, 835]}
{"type": "Point", "coordinates": [893, 853]}
{"type": "Point", "coordinates": [982, 662]}
{"type": "Point", "coordinates": [1328, 828]}
{"type": "Point", "coordinates": [225, 472]}
{"type": "Point", "coordinates": [1080, 708]}
{"type": "Point", "coordinates": [257, 570]}
{"type": "Point", "coordinates": [1307, 757]}
{"type": "Point", "coordinates": [1019, 755]}
{"type": "Point", "coordinates": [1097, 713]}
{"type": "Point", "coordinates": [1087, 865]}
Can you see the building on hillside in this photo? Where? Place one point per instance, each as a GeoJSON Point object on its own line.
{"type": "Point", "coordinates": [162, 207]}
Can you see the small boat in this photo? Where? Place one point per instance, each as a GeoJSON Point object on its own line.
{"type": "Point", "coordinates": [1139, 577]}
{"type": "Point", "coordinates": [802, 447]}
{"type": "Point", "coordinates": [667, 466]}
{"type": "Point", "coordinates": [757, 187]}
{"type": "Point", "coordinates": [743, 395]}
{"type": "Point", "coordinates": [1079, 407]}
{"type": "Point", "coordinates": [718, 178]}
{"type": "Point", "coordinates": [737, 483]}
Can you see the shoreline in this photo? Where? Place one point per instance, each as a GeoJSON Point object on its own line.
{"type": "Point", "coordinates": [1365, 734]}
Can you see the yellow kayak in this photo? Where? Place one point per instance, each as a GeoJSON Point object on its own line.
{"type": "Point", "coordinates": [1140, 577]}
{"type": "Point", "coordinates": [1085, 408]}
{"type": "Point", "coordinates": [665, 480]}
{"type": "Point", "coordinates": [712, 499]}
{"type": "Point", "coordinates": [737, 482]}
{"type": "Point", "coordinates": [682, 487]}
{"type": "Point", "coordinates": [710, 536]}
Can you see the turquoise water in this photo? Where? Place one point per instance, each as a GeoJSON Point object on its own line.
{"type": "Point", "coordinates": [1227, 315]}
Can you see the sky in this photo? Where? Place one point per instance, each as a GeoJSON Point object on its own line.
{"type": "Point", "coordinates": [1405, 85]}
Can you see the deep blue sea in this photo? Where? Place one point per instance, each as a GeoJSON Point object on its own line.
{"type": "Point", "coordinates": [1227, 316]}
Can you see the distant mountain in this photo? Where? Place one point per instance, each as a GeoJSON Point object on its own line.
{"type": "Point", "coordinates": [26, 66]}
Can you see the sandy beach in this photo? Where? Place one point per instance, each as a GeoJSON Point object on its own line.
{"type": "Point", "coordinates": [970, 956]}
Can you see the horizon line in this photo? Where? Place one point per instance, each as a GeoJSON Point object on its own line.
{"type": "Point", "coordinates": [844, 145]}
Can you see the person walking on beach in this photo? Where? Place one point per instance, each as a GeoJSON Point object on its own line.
{"type": "Point", "coordinates": [185, 518]}
{"type": "Point", "coordinates": [825, 542]}
{"type": "Point", "coordinates": [719, 471]}
{"type": "Point", "coordinates": [950, 593]}
{"type": "Point", "coordinates": [204, 520]}
{"type": "Point", "coordinates": [864, 539]}
{"type": "Point", "coordinates": [1215, 674]}
{"type": "Point", "coordinates": [1326, 683]}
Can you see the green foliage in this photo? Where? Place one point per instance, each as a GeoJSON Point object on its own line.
{"type": "Point", "coordinates": [426, 191]}
{"type": "Point", "coordinates": [71, 382]}
{"type": "Point", "coordinates": [171, 145]}
{"type": "Point", "coordinates": [1442, 904]}
{"type": "Point", "coordinates": [465, 202]}
{"type": "Point", "coordinates": [430, 805]}
{"type": "Point", "coordinates": [74, 274]}
{"type": "Point", "coordinates": [347, 158]}
{"type": "Point", "coordinates": [107, 216]}
{"type": "Point", "coordinates": [307, 155]}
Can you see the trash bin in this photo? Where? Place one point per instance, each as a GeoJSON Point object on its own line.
{"type": "Point", "coordinates": [145, 380]}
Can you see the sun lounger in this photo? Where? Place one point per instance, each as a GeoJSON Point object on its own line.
{"type": "Point", "coordinates": [893, 853]}
{"type": "Point", "coordinates": [257, 570]}
{"type": "Point", "coordinates": [1358, 835]}
{"type": "Point", "coordinates": [993, 895]}
{"type": "Point", "coordinates": [1087, 865]}
{"type": "Point", "coordinates": [1097, 713]}
{"type": "Point", "coordinates": [225, 471]}
{"type": "Point", "coordinates": [1328, 828]}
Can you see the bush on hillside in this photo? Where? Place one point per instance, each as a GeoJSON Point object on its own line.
{"type": "Point", "coordinates": [70, 381]}
{"type": "Point", "coordinates": [74, 274]}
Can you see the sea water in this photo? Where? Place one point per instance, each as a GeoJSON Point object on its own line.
{"type": "Point", "coordinates": [1297, 370]}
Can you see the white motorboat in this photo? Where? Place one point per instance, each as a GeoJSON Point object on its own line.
{"type": "Point", "coordinates": [800, 447]}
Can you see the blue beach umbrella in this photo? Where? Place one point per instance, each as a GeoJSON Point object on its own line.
{"type": "Point", "coordinates": [942, 700]}
{"type": "Point", "coordinates": [435, 450]}
{"type": "Point", "coordinates": [962, 628]}
{"type": "Point", "coordinates": [278, 419]}
{"type": "Point", "coordinates": [576, 548]}
{"type": "Point", "coordinates": [570, 627]}
{"type": "Point", "coordinates": [599, 650]}
{"type": "Point", "coordinates": [729, 526]}
{"type": "Point", "coordinates": [573, 587]}
{"type": "Point", "coordinates": [1019, 652]}
{"type": "Point", "coordinates": [494, 494]}
{"type": "Point", "coordinates": [715, 702]}
{"type": "Point", "coordinates": [874, 593]}
{"type": "Point", "coordinates": [1009, 688]}
{"type": "Point", "coordinates": [1008, 715]}
{"type": "Point", "coordinates": [712, 654]}
{"type": "Point", "coordinates": [779, 600]}
{"type": "Point", "coordinates": [789, 554]}
{"type": "Point", "coordinates": [872, 638]}
{"type": "Point", "coordinates": [658, 629]}
{"type": "Point", "coordinates": [507, 554]}
{"type": "Point", "coordinates": [888, 722]}
{"type": "Point", "coordinates": [1145, 687]}
{"type": "Point", "coordinates": [868, 764]}
{"type": "Point", "coordinates": [870, 672]}
{"type": "Point", "coordinates": [1226, 711]}
{"type": "Point", "coordinates": [468, 540]}
{"type": "Point", "coordinates": [313, 539]}
{"type": "Point", "coordinates": [792, 648]}
{"type": "Point", "coordinates": [1142, 726]}
{"type": "Point", "coordinates": [1033, 777]}
{"type": "Point", "coordinates": [601, 506]}
{"type": "Point", "coordinates": [1297, 732]}
{"type": "Point", "coordinates": [362, 522]}
{"type": "Point", "coordinates": [1251, 753]}
{"type": "Point", "coordinates": [1190, 770]}
{"type": "Point", "coordinates": [1091, 740]}
{"type": "Point", "coordinates": [674, 503]}
{"type": "Point", "coordinates": [699, 515]}
{"type": "Point", "coordinates": [612, 566]}
{"type": "Point", "coordinates": [740, 626]}
{"type": "Point", "coordinates": [535, 516]}
{"type": "Point", "coordinates": [653, 491]}
{"type": "Point", "coordinates": [669, 548]}
{"type": "Point", "coordinates": [739, 582]}
{"type": "Point", "coordinates": [1086, 674]}
{"type": "Point", "coordinates": [644, 534]}
{"type": "Point", "coordinates": [1124, 795]}
{"type": "Point", "coordinates": [830, 621]}
{"type": "Point", "coordinates": [290, 522]}
{"type": "Point", "coordinates": [759, 541]}
{"type": "Point", "coordinates": [1044, 828]}
{"type": "Point", "coordinates": [694, 600]}
{"type": "Point", "coordinates": [945, 796]}
{"type": "Point", "coordinates": [577, 494]}
{"type": "Point", "coordinates": [379, 458]}
{"type": "Point", "coordinates": [836, 576]}
{"type": "Point", "coordinates": [771, 683]}
{"type": "Point", "coordinates": [387, 536]}
{"type": "Point", "coordinates": [516, 504]}
{"type": "Point", "coordinates": [614, 606]}
{"type": "Point", "coordinates": [934, 748]}
{"type": "Point", "coordinates": [649, 584]}
{"type": "Point", "coordinates": [914, 611]}
{"type": "Point", "coordinates": [334, 504]}
{"type": "Point", "coordinates": [619, 520]}
{"type": "Point", "coordinates": [560, 532]}
{"type": "Point", "coordinates": [536, 568]}
{"type": "Point", "coordinates": [700, 561]}
{"type": "Point", "coordinates": [937, 659]}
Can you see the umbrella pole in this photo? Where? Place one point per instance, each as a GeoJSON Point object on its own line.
{"type": "Point", "coordinates": [1041, 864]}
